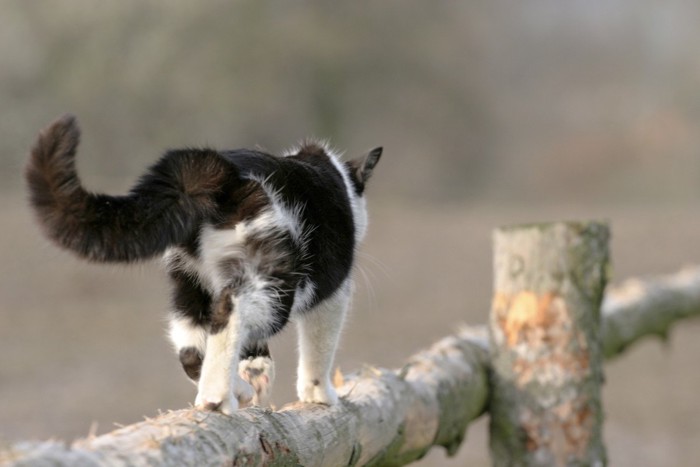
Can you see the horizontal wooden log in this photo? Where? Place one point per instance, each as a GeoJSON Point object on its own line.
{"type": "Point", "coordinates": [648, 307]}
{"type": "Point", "coordinates": [384, 418]}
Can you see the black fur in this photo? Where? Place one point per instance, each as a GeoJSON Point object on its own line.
{"type": "Point", "coordinates": [191, 360]}
{"type": "Point", "coordinates": [190, 299]}
{"type": "Point", "coordinates": [256, 349]}
{"type": "Point", "coordinates": [309, 179]}
{"type": "Point", "coordinates": [164, 208]}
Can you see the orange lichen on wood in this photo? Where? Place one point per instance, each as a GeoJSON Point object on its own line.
{"type": "Point", "coordinates": [554, 349]}
{"type": "Point", "coordinates": [522, 313]}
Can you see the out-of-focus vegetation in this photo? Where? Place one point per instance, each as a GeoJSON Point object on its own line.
{"type": "Point", "coordinates": [573, 101]}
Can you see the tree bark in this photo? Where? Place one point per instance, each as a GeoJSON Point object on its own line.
{"type": "Point", "coordinates": [546, 344]}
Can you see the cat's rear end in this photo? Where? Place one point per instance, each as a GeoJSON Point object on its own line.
{"type": "Point", "coordinates": [250, 240]}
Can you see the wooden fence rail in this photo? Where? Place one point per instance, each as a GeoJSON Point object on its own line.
{"type": "Point", "coordinates": [385, 417]}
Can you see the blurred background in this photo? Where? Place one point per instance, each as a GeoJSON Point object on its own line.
{"type": "Point", "coordinates": [490, 113]}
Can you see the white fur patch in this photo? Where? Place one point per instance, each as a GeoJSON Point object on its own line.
{"type": "Point", "coordinates": [281, 215]}
{"type": "Point", "coordinates": [183, 333]}
{"type": "Point", "coordinates": [303, 297]}
{"type": "Point", "coordinates": [256, 311]}
{"type": "Point", "coordinates": [219, 245]}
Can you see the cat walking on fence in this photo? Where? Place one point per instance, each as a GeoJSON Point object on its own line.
{"type": "Point", "coordinates": [249, 240]}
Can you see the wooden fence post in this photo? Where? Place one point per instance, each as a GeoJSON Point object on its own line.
{"type": "Point", "coordinates": [545, 339]}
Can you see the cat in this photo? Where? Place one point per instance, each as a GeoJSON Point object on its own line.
{"type": "Point", "coordinates": [249, 240]}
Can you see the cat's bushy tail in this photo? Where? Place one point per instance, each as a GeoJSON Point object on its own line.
{"type": "Point", "coordinates": [164, 208]}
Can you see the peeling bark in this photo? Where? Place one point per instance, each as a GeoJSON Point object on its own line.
{"type": "Point", "coordinates": [546, 344]}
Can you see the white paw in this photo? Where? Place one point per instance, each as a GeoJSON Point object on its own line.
{"type": "Point", "coordinates": [317, 392]}
{"type": "Point", "coordinates": [224, 400]}
{"type": "Point", "coordinates": [259, 372]}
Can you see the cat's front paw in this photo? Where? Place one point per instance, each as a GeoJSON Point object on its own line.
{"type": "Point", "coordinates": [317, 392]}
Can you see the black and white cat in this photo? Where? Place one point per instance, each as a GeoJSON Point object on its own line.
{"type": "Point", "coordinates": [250, 240]}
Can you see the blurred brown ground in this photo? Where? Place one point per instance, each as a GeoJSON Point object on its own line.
{"type": "Point", "coordinates": [490, 112]}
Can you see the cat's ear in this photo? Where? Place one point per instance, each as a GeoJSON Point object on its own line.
{"type": "Point", "coordinates": [362, 167]}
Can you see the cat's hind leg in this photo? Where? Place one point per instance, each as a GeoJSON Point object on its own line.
{"type": "Point", "coordinates": [190, 311]}
{"type": "Point", "coordinates": [319, 332]}
{"type": "Point", "coordinates": [258, 369]}
{"type": "Point", "coordinates": [220, 387]}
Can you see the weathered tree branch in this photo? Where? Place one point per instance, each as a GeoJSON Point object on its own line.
{"type": "Point", "coordinates": [648, 307]}
{"type": "Point", "coordinates": [386, 417]}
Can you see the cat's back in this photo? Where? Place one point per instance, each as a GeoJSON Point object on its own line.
{"type": "Point", "coordinates": [309, 172]}
{"type": "Point", "coordinates": [310, 181]}
{"type": "Point", "coordinates": [305, 195]}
